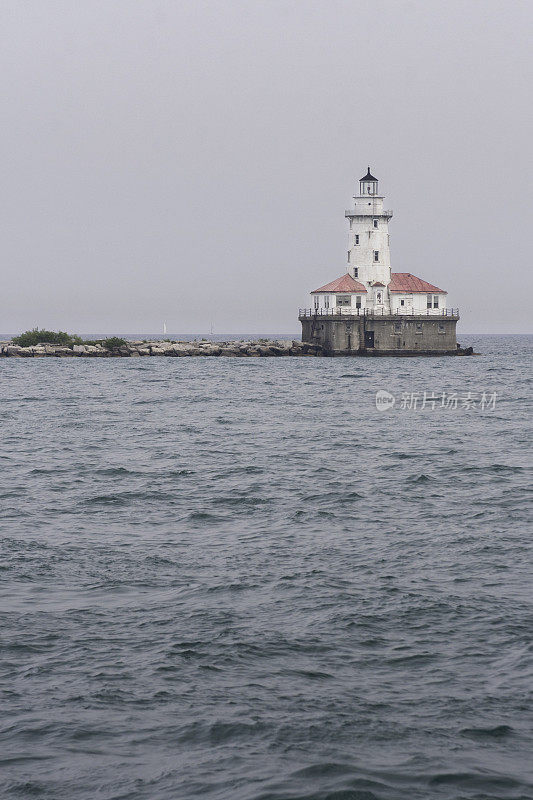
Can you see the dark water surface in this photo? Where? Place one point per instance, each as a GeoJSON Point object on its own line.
{"type": "Point", "coordinates": [235, 578]}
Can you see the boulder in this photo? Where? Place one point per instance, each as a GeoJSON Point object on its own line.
{"type": "Point", "coordinates": [311, 349]}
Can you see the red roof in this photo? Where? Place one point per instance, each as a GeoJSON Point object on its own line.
{"type": "Point", "coordinates": [345, 284]}
{"type": "Point", "coordinates": [378, 283]}
{"type": "Point", "coordinates": [407, 283]}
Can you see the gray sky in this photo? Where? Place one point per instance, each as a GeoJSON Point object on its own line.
{"type": "Point", "coordinates": [190, 161]}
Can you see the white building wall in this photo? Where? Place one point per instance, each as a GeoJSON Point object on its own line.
{"type": "Point", "coordinates": [416, 302]}
{"type": "Point", "coordinates": [328, 301]}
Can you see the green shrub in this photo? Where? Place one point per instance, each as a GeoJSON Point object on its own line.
{"type": "Point", "coordinates": [36, 336]}
{"type": "Point", "coordinates": [113, 343]}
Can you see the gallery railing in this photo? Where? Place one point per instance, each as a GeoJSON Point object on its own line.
{"type": "Point", "coordinates": [335, 311]}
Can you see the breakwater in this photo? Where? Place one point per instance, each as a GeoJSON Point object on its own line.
{"type": "Point", "coordinates": [235, 349]}
{"type": "Point", "coordinates": [238, 349]}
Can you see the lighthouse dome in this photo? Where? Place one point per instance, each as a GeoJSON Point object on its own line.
{"type": "Point", "coordinates": [368, 176]}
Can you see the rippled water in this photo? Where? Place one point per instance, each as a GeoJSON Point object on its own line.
{"type": "Point", "coordinates": [235, 578]}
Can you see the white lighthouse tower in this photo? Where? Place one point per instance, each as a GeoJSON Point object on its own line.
{"type": "Point", "coordinates": [368, 244]}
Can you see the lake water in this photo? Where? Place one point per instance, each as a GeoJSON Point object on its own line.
{"type": "Point", "coordinates": [237, 579]}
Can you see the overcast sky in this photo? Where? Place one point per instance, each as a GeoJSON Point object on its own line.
{"type": "Point", "coordinates": [190, 161]}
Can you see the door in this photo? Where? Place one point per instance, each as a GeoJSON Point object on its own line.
{"type": "Point", "coordinates": [369, 338]}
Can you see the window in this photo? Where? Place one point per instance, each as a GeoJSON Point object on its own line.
{"type": "Point", "coordinates": [418, 327]}
{"type": "Point", "coordinates": [326, 301]}
{"type": "Point", "coordinates": [442, 328]}
{"type": "Point", "coordinates": [355, 272]}
{"type": "Point", "coordinates": [402, 302]}
{"type": "Point", "coordinates": [378, 297]}
{"type": "Point", "coordinates": [375, 223]}
{"type": "Point", "coordinates": [397, 327]}
{"type": "Point", "coordinates": [316, 300]}
{"type": "Point", "coordinates": [344, 300]}
{"type": "Point", "coordinates": [376, 255]}
{"type": "Point", "coordinates": [358, 301]}
{"type": "Point", "coordinates": [356, 239]}
{"type": "Point", "coordinates": [348, 255]}
{"type": "Point", "coordinates": [429, 301]}
{"type": "Point", "coordinates": [435, 301]}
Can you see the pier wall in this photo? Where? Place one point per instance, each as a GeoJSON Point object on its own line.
{"type": "Point", "coordinates": [381, 335]}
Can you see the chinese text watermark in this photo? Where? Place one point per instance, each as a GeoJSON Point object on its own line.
{"type": "Point", "coordinates": [449, 401]}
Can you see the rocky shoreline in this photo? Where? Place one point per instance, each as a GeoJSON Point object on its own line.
{"type": "Point", "coordinates": [237, 349]}
{"type": "Point", "coordinates": [234, 349]}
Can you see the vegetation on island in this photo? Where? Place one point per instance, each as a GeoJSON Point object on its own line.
{"type": "Point", "coordinates": [36, 336]}
{"type": "Point", "coordinates": [40, 336]}
{"type": "Point", "coordinates": [113, 343]}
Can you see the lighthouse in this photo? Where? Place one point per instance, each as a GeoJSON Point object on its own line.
{"type": "Point", "coordinates": [368, 257]}
{"type": "Point", "coordinates": [370, 309]}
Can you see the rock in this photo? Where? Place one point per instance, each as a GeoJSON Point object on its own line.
{"type": "Point", "coordinates": [231, 349]}
{"type": "Point", "coordinates": [311, 349]}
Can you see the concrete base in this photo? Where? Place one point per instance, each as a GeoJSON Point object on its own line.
{"type": "Point", "coordinates": [350, 335]}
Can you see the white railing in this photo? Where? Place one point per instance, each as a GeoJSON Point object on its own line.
{"type": "Point", "coordinates": [368, 312]}
{"type": "Point", "coordinates": [351, 212]}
